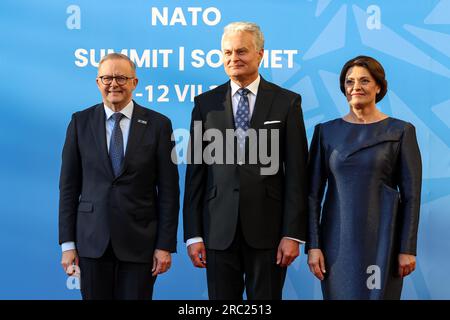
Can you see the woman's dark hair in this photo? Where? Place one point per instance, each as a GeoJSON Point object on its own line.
{"type": "Point", "coordinates": [375, 69]}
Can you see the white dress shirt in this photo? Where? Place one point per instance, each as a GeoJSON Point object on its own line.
{"type": "Point", "coordinates": [109, 125]}
{"type": "Point", "coordinates": [235, 96]}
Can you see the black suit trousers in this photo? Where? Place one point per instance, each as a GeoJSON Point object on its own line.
{"type": "Point", "coordinates": [241, 267]}
{"type": "Point", "coordinates": [107, 278]}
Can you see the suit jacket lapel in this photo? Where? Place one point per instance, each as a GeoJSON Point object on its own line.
{"type": "Point", "coordinates": [220, 114]}
{"type": "Point", "coordinates": [262, 104]}
{"type": "Point", "coordinates": [97, 123]}
{"type": "Point", "coordinates": [228, 119]}
{"type": "Point", "coordinates": [139, 123]}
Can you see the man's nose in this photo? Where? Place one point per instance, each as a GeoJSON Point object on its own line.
{"type": "Point", "coordinates": [114, 82]}
{"type": "Point", "coordinates": [234, 56]}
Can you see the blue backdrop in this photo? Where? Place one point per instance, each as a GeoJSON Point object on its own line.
{"type": "Point", "coordinates": [48, 54]}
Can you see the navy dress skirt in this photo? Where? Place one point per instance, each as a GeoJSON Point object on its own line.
{"type": "Point", "coordinates": [371, 177]}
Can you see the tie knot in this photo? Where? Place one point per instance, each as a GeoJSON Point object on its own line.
{"type": "Point", "coordinates": [243, 92]}
{"type": "Point", "coordinates": [117, 116]}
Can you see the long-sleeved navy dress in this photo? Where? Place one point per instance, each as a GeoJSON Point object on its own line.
{"type": "Point", "coordinates": [372, 175]}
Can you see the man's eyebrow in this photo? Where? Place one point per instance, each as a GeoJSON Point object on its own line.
{"type": "Point", "coordinates": [237, 49]}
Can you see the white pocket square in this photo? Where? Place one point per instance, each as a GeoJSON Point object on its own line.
{"type": "Point", "coordinates": [272, 122]}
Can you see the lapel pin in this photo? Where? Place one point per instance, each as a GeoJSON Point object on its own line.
{"type": "Point", "coordinates": [142, 121]}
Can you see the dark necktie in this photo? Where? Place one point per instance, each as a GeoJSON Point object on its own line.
{"type": "Point", "coordinates": [116, 144]}
{"type": "Point", "coordinates": [242, 118]}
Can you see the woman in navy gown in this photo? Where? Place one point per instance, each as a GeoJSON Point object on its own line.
{"type": "Point", "coordinates": [363, 241]}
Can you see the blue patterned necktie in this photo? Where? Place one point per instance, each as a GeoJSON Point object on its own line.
{"type": "Point", "coordinates": [116, 144]}
{"type": "Point", "coordinates": [242, 118]}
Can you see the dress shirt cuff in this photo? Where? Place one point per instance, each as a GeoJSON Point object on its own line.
{"type": "Point", "coordinates": [69, 245]}
{"type": "Point", "coordinates": [193, 240]}
{"type": "Point", "coordinates": [300, 241]}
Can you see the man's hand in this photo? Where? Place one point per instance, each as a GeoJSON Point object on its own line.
{"type": "Point", "coordinates": [406, 264]}
{"type": "Point", "coordinates": [316, 262]}
{"type": "Point", "coordinates": [287, 252]}
{"type": "Point", "coordinates": [69, 258]}
{"type": "Point", "coordinates": [197, 253]}
{"type": "Point", "coordinates": [161, 262]}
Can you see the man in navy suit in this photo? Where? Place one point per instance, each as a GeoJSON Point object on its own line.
{"type": "Point", "coordinates": [119, 192]}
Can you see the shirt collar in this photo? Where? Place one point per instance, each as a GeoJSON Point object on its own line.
{"type": "Point", "coordinates": [127, 111]}
{"type": "Point", "coordinates": [253, 87]}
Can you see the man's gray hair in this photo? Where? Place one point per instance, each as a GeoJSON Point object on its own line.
{"type": "Point", "coordinates": [121, 56]}
{"type": "Point", "coordinates": [251, 27]}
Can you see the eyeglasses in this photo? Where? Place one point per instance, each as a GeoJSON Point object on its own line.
{"type": "Point", "coordinates": [120, 80]}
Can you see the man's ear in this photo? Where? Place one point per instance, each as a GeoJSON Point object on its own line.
{"type": "Point", "coordinates": [261, 55]}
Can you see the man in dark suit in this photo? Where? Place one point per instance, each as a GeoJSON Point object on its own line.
{"type": "Point", "coordinates": [119, 193]}
{"type": "Point", "coordinates": [240, 223]}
